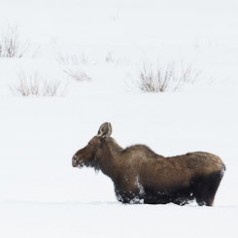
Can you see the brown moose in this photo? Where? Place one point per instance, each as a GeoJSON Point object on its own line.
{"type": "Point", "coordinates": [142, 176]}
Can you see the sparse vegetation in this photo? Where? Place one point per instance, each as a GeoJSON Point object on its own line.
{"type": "Point", "coordinates": [72, 59]}
{"type": "Point", "coordinates": [10, 43]}
{"type": "Point", "coordinates": [76, 74]}
{"type": "Point", "coordinates": [37, 85]}
{"type": "Point", "coordinates": [72, 66]}
{"type": "Point", "coordinates": [110, 58]}
{"type": "Point", "coordinates": [170, 77]}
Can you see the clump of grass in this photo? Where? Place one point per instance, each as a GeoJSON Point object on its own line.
{"type": "Point", "coordinates": [11, 45]}
{"type": "Point", "coordinates": [76, 74]}
{"type": "Point", "coordinates": [72, 66]}
{"type": "Point", "coordinates": [165, 78]}
{"type": "Point", "coordinates": [37, 85]}
{"type": "Point", "coordinates": [111, 58]}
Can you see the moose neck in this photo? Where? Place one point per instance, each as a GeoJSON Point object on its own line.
{"type": "Point", "coordinates": [108, 157]}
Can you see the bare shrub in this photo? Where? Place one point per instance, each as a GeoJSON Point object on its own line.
{"type": "Point", "coordinates": [37, 85]}
{"type": "Point", "coordinates": [10, 43]}
{"type": "Point", "coordinates": [166, 78]}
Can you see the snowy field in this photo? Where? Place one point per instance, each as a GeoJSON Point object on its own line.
{"type": "Point", "coordinates": [105, 43]}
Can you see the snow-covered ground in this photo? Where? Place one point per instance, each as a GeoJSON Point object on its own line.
{"type": "Point", "coordinates": [41, 195]}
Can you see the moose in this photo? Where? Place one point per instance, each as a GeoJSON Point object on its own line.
{"type": "Point", "coordinates": [142, 176]}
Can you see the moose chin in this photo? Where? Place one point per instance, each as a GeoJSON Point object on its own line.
{"type": "Point", "coordinates": [142, 176]}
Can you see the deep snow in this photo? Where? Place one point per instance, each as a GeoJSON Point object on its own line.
{"type": "Point", "coordinates": [41, 195]}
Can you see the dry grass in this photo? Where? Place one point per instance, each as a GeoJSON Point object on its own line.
{"type": "Point", "coordinates": [11, 45]}
{"type": "Point", "coordinates": [76, 74]}
{"type": "Point", "coordinates": [37, 85]}
{"type": "Point", "coordinates": [170, 77]}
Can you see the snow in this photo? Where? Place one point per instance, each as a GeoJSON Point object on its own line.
{"type": "Point", "coordinates": [41, 195]}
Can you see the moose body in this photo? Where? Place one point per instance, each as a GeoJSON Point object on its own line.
{"type": "Point", "coordinates": [142, 176]}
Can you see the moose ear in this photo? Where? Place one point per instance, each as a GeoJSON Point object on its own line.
{"type": "Point", "coordinates": [105, 130]}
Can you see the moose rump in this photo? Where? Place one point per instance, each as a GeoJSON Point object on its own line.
{"type": "Point", "coordinates": [178, 179]}
{"type": "Point", "coordinates": [142, 176]}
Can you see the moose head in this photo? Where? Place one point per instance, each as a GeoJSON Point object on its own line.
{"type": "Point", "coordinates": [87, 155]}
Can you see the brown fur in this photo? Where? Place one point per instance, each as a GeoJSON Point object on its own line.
{"type": "Point", "coordinates": [142, 176]}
